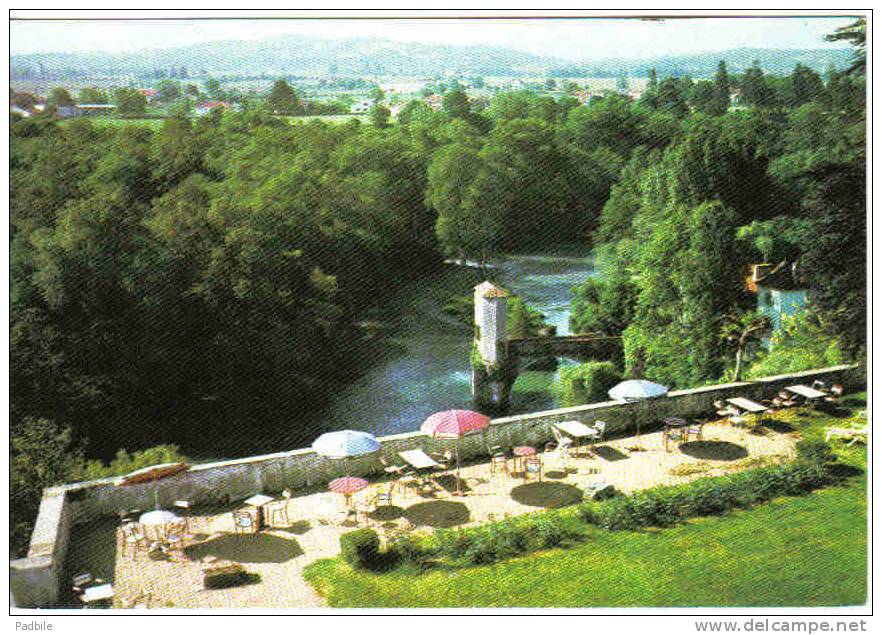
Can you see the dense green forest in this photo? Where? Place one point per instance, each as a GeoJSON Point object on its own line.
{"type": "Point", "coordinates": [175, 283]}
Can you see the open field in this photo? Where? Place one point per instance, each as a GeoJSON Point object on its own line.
{"type": "Point", "coordinates": [117, 122]}
{"type": "Point", "coordinates": [782, 553]}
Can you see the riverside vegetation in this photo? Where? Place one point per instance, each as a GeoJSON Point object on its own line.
{"type": "Point", "coordinates": [171, 284]}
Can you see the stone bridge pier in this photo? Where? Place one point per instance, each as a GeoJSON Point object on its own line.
{"type": "Point", "coordinates": [496, 359]}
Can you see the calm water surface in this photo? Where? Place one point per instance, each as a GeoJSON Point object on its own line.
{"type": "Point", "coordinates": [428, 369]}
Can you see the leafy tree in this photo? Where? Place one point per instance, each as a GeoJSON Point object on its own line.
{"type": "Point", "coordinates": [41, 454]}
{"type": "Point", "coordinates": [588, 383]}
{"type": "Point", "coordinates": [130, 102]}
{"type": "Point", "coordinates": [92, 95]}
{"type": "Point", "coordinates": [722, 89]}
{"type": "Point", "coordinates": [58, 97]}
{"type": "Point", "coordinates": [125, 463]}
{"type": "Point", "coordinates": [704, 97]}
{"type": "Point", "coordinates": [856, 34]}
{"type": "Point", "coordinates": [379, 116]}
{"type": "Point", "coordinates": [801, 344]}
{"type": "Point", "coordinates": [282, 100]}
{"type": "Point", "coordinates": [456, 104]}
{"type": "Point", "coordinates": [742, 330]}
{"type": "Point", "coordinates": [169, 89]}
{"type": "Point", "coordinates": [806, 86]}
{"type": "Point", "coordinates": [755, 91]}
{"type": "Point", "coordinates": [670, 97]}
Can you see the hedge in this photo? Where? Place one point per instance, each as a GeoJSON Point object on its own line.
{"type": "Point", "coordinates": [666, 506]}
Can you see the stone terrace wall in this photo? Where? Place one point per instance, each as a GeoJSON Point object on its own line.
{"type": "Point", "coordinates": [36, 579]}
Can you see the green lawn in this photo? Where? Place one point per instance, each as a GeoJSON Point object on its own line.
{"type": "Point", "coordinates": [803, 551]}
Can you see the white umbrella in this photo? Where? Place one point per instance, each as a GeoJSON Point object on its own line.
{"type": "Point", "coordinates": [637, 389]}
{"type": "Point", "coordinates": [344, 444]}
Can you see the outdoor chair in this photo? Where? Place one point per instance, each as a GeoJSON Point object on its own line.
{"type": "Point", "coordinates": [446, 460]}
{"type": "Point", "coordinates": [83, 581]}
{"type": "Point", "coordinates": [723, 409]}
{"type": "Point", "coordinates": [853, 435]}
{"type": "Point", "coordinates": [244, 521]}
{"type": "Point", "coordinates": [498, 463]}
{"type": "Point", "coordinates": [381, 497]}
{"type": "Point", "coordinates": [176, 539]}
{"type": "Point", "coordinates": [183, 507]}
{"type": "Point", "coordinates": [677, 435]}
{"type": "Point", "coordinates": [533, 466]}
{"type": "Point", "coordinates": [392, 470]}
{"type": "Point", "coordinates": [818, 384]}
{"type": "Point", "coordinates": [835, 393]}
{"type": "Point", "coordinates": [276, 511]}
{"type": "Point", "coordinates": [695, 429]}
{"type": "Point", "coordinates": [134, 539]}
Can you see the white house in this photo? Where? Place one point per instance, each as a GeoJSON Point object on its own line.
{"type": "Point", "coordinates": [778, 292]}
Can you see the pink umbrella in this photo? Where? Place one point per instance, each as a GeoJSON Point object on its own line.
{"type": "Point", "coordinates": [347, 485]}
{"type": "Point", "coordinates": [453, 424]}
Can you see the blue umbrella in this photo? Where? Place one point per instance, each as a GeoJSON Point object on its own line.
{"type": "Point", "coordinates": [637, 389]}
{"type": "Point", "coordinates": [343, 444]}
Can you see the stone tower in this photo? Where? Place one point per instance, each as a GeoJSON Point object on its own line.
{"type": "Point", "coordinates": [490, 369]}
{"type": "Point", "coordinates": [490, 313]}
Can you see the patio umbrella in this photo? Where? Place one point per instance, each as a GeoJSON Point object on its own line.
{"type": "Point", "coordinates": [344, 444]}
{"type": "Point", "coordinates": [151, 475]}
{"type": "Point", "coordinates": [637, 390]}
{"type": "Point", "coordinates": [454, 424]}
{"type": "Point", "coordinates": [347, 485]}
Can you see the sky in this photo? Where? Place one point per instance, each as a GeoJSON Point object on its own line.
{"type": "Point", "coordinates": [567, 39]}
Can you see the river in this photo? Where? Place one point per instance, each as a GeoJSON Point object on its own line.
{"type": "Point", "coordinates": [429, 370]}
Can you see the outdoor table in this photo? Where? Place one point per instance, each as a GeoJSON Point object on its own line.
{"type": "Point", "coordinates": [746, 404]}
{"type": "Point", "coordinates": [97, 593]}
{"type": "Point", "coordinates": [577, 430]}
{"type": "Point", "coordinates": [676, 422]}
{"type": "Point", "coordinates": [258, 501]}
{"type": "Point", "coordinates": [419, 461]}
{"type": "Point", "coordinates": [520, 453]}
{"type": "Point", "coordinates": [804, 391]}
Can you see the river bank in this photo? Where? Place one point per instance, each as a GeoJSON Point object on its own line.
{"type": "Point", "coordinates": [424, 363]}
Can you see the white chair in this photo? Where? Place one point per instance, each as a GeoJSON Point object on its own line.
{"type": "Point", "coordinates": [244, 521]}
{"type": "Point", "coordinates": [597, 431]}
{"type": "Point", "coordinates": [184, 507]}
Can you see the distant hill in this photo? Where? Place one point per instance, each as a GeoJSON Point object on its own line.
{"type": "Point", "coordinates": [301, 55]}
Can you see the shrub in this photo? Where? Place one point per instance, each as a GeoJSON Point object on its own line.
{"type": "Point", "coordinates": [587, 383]}
{"type": "Point", "coordinates": [361, 548]}
{"type": "Point", "coordinates": [453, 543]}
{"type": "Point", "coordinates": [818, 452]}
{"type": "Point", "coordinates": [551, 531]}
{"type": "Point", "coordinates": [664, 507]}
{"type": "Point", "coordinates": [407, 548]}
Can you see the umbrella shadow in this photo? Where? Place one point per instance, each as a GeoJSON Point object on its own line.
{"type": "Point", "coordinates": [386, 513]}
{"type": "Point", "coordinates": [255, 548]}
{"type": "Point", "coordinates": [714, 450]}
{"type": "Point", "coordinates": [298, 528]}
{"type": "Point", "coordinates": [607, 453]}
{"type": "Point", "coordinates": [448, 483]}
{"type": "Point", "coordinates": [439, 513]}
{"type": "Point", "coordinates": [549, 495]}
